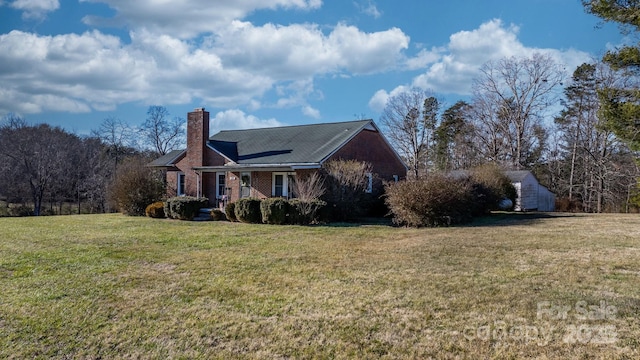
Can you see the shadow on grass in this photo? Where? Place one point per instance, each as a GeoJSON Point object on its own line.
{"type": "Point", "coordinates": [367, 221]}
{"type": "Point", "coordinates": [501, 218]}
{"type": "Point", "coordinates": [514, 218]}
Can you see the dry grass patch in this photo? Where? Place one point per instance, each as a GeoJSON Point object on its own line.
{"type": "Point", "coordinates": [111, 286]}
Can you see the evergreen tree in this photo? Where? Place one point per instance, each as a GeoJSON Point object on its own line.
{"type": "Point", "coordinates": [621, 101]}
{"type": "Point", "coordinates": [453, 146]}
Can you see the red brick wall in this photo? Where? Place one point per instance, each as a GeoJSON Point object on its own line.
{"type": "Point", "coordinates": [261, 182]}
{"type": "Point", "coordinates": [369, 146]}
{"type": "Point", "coordinates": [233, 182]}
{"type": "Point", "coordinates": [172, 182]}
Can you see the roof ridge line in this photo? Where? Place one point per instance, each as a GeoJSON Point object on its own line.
{"type": "Point", "coordinates": [292, 126]}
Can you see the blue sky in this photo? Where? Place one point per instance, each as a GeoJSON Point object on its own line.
{"type": "Point", "coordinates": [255, 63]}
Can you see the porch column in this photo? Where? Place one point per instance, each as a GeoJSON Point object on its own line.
{"type": "Point", "coordinates": [199, 184]}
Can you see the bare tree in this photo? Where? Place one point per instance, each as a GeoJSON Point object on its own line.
{"type": "Point", "coordinates": [117, 136]}
{"type": "Point", "coordinates": [40, 157]}
{"type": "Point", "coordinates": [161, 133]}
{"type": "Point", "coordinates": [510, 99]}
{"type": "Point", "coordinates": [309, 187]}
{"type": "Point", "coordinates": [346, 184]}
{"type": "Point", "coordinates": [409, 120]}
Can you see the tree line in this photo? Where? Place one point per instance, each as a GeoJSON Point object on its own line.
{"type": "Point", "coordinates": [526, 114]}
{"type": "Point", "coordinates": [47, 170]}
{"type": "Point", "coordinates": [579, 133]}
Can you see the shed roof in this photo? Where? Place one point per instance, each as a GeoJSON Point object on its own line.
{"type": "Point", "coordinates": [517, 175]}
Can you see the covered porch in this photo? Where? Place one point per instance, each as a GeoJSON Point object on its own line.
{"type": "Point", "coordinates": [228, 183]}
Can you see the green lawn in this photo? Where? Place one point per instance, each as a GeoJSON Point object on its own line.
{"type": "Point", "coordinates": [511, 286]}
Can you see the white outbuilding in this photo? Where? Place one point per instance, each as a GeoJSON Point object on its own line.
{"type": "Point", "coordinates": [531, 195]}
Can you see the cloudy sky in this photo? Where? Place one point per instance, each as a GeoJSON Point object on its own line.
{"type": "Point", "coordinates": [253, 63]}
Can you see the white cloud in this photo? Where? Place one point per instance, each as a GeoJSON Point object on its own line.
{"type": "Point", "coordinates": [379, 100]}
{"type": "Point", "coordinates": [467, 51]}
{"type": "Point", "coordinates": [34, 9]}
{"type": "Point", "coordinates": [235, 67]}
{"type": "Point", "coordinates": [188, 18]}
{"type": "Point", "coordinates": [237, 119]}
{"type": "Point", "coordinates": [311, 112]}
{"type": "Point", "coordinates": [423, 58]}
{"type": "Point", "coordinates": [301, 50]}
{"type": "Point", "coordinates": [364, 53]}
{"type": "Point", "coordinates": [93, 70]}
{"type": "Point", "coordinates": [451, 69]}
{"type": "Point", "coordinates": [67, 72]}
{"type": "Point", "coordinates": [369, 8]}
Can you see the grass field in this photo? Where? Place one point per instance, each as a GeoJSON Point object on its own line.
{"type": "Point", "coordinates": [509, 286]}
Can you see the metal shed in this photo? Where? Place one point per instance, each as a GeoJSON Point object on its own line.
{"type": "Point", "coordinates": [531, 195]}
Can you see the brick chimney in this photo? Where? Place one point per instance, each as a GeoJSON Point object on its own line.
{"type": "Point", "coordinates": [197, 136]}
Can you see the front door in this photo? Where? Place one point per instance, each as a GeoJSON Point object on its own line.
{"type": "Point", "coordinates": [283, 184]}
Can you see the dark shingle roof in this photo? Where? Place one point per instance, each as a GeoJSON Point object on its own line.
{"type": "Point", "coordinates": [288, 144]}
{"type": "Point", "coordinates": [169, 159]}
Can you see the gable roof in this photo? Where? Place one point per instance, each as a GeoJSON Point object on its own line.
{"type": "Point", "coordinates": [517, 175]}
{"type": "Point", "coordinates": [300, 144]}
{"type": "Point", "coordinates": [513, 175]}
{"type": "Point", "coordinates": [169, 159]}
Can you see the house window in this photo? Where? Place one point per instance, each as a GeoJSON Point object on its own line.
{"type": "Point", "coordinates": [369, 189]}
{"type": "Point", "coordinates": [221, 178]}
{"type": "Point", "coordinates": [180, 185]}
{"type": "Point", "coordinates": [395, 178]}
{"type": "Point", "coordinates": [282, 184]}
{"type": "Point", "coordinates": [245, 184]}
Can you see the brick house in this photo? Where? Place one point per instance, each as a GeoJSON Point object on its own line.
{"type": "Point", "coordinates": [264, 162]}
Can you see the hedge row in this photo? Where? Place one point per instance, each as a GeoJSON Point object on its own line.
{"type": "Point", "coordinates": [277, 211]}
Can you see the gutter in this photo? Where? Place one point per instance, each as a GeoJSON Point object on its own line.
{"type": "Point", "coordinates": [259, 167]}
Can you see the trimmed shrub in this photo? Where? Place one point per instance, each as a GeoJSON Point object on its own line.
{"type": "Point", "coordinates": [247, 210]}
{"type": "Point", "coordinates": [436, 201]}
{"type": "Point", "coordinates": [230, 211]}
{"type": "Point", "coordinates": [217, 215]}
{"type": "Point", "coordinates": [305, 212]}
{"type": "Point", "coordinates": [155, 210]}
{"type": "Point", "coordinates": [274, 211]}
{"type": "Point", "coordinates": [185, 207]}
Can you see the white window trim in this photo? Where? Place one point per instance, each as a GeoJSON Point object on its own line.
{"type": "Point", "coordinates": [369, 189]}
{"type": "Point", "coordinates": [249, 186]}
{"type": "Point", "coordinates": [218, 195]}
{"type": "Point", "coordinates": [180, 184]}
{"type": "Point", "coordinates": [285, 183]}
